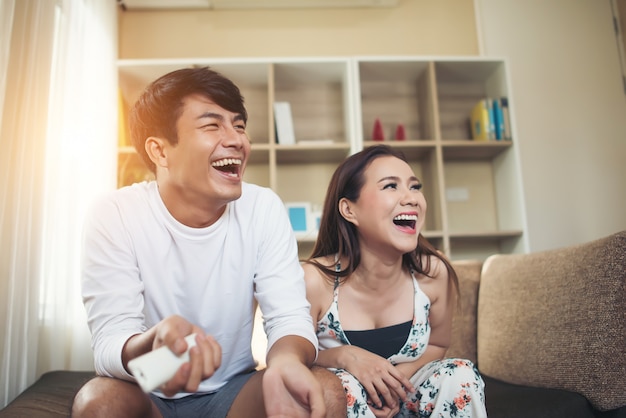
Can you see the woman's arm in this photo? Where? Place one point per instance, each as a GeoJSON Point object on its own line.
{"type": "Point", "coordinates": [375, 373]}
{"type": "Point", "coordinates": [440, 291]}
{"type": "Point", "coordinates": [318, 292]}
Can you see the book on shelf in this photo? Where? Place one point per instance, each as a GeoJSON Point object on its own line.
{"type": "Point", "coordinates": [283, 123]}
{"type": "Point", "coordinates": [491, 133]}
{"type": "Point", "coordinates": [481, 121]}
{"type": "Point", "coordinates": [498, 120]}
{"type": "Point", "coordinates": [506, 119]}
{"type": "Point", "coordinates": [490, 120]}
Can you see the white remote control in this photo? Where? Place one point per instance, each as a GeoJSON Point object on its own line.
{"type": "Point", "coordinates": [158, 366]}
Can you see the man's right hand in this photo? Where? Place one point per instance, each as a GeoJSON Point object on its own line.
{"type": "Point", "coordinates": [204, 359]}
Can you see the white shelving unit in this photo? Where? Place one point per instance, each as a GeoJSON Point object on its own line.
{"type": "Point", "coordinates": [473, 189]}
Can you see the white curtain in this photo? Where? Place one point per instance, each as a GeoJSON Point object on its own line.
{"type": "Point", "coordinates": [58, 127]}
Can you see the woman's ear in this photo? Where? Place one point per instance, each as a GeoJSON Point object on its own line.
{"type": "Point", "coordinates": [155, 148]}
{"type": "Point", "coordinates": [346, 210]}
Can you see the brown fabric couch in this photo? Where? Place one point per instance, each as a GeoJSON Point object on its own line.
{"type": "Point", "coordinates": [50, 396]}
{"type": "Point", "coordinates": [547, 331]}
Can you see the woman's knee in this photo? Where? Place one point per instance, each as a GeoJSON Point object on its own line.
{"type": "Point", "coordinates": [464, 371]}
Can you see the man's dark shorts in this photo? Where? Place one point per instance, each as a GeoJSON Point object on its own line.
{"type": "Point", "coordinates": [213, 405]}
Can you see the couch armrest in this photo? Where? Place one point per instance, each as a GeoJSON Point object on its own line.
{"type": "Point", "coordinates": [50, 396]}
{"type": "Point", "coordinates": [557, 319]}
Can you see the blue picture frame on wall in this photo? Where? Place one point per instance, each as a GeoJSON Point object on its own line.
{"type": "Point", "coordinates": [299, 216]}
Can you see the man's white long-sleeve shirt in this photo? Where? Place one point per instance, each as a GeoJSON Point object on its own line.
{"type": "Point", "coordinates": [141, 265]}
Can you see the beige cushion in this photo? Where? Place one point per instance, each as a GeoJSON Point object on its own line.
{"type": "Point", "coordinates": [463, 344]}
{"type": "Point", "coordinates": [556, 319]}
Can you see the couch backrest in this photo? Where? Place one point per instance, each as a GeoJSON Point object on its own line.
{"type": "Point", "coordinates": [463, 344]}
{"type": "Point", "coordinates": [557, 319]}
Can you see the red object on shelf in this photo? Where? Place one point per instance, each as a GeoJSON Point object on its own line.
{"type": "Point", "coordinates": [400, 133]}
{"type": "Point", "coordinates": [378, 134]}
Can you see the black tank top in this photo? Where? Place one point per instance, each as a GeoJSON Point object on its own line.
{"type": "Point", "coordinates": [385, 341]}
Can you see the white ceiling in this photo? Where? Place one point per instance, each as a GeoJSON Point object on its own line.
{"type": "Point", "coordinates": [251, 4]}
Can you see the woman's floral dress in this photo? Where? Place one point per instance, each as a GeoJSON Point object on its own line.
{"type": "Point", "coordinates": [444, 388]}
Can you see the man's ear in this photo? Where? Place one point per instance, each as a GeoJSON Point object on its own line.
{"type": "Point", "coordinates": [156, 149]}
{"type": "Point", "coordinates": [346, 210]}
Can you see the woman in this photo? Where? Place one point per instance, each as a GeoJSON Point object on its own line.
{"type": "Point", "coordinates": [383, 298]}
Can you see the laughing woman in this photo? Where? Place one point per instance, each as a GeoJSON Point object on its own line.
{"type": "Point", "coordinates": [383, 298]}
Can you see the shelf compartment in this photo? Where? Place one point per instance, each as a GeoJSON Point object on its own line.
{"type": "Point", "coordinates": [304, 182]}
{"type": "Point", "coordinates": [257, 173]}
{"type": "Point", "coordinates": [395, 92]}
{"type": "Point", "coordinates": [460, 85]}
{"type": "Point", "coordinates": [318, 92]}
{"type": "Point", "coordinates": [481, 245]}
{"type": "Point", "coordinates": [470, 196]}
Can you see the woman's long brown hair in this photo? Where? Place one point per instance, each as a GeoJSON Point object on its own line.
{"type": "Point", "coordinates": [338, 236]}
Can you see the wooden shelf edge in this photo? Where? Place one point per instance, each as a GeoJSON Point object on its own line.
{"type": "Point", "coordinates": [408, 143]}
{"type": "Point", "coordinates": [126, 149]}
{"type": "Point", "coordinates": [433, 234]}
{"type": "Point", "coordinates": [312, 146]}
{"type": "Point", "coordinates": [487, 235]}
{"type": "Point", "coordinates": [467, 149]}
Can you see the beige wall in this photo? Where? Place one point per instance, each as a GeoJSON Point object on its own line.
{"type": "Point", "coordinates": [569, 102]}
{"type": "Point", "coordinates": [413, 27]}
{"type": "Point", "coordinates": [570, 110]}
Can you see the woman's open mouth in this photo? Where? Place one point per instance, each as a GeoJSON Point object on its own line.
{"type": "Point", "coordinates": [406, 221]}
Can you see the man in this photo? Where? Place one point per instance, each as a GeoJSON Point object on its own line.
{"type": "Point", "coordinates": [193, 252]}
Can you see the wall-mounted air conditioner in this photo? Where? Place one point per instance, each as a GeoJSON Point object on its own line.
{"type": "Point", "coordinates": [251, 4]}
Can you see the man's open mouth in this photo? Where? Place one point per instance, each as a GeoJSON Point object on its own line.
{"type": "Point", "coordinates": [230, 166]}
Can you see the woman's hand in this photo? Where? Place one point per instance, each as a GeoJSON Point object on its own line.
{"type": "Point", "coordinates": [385, 411]}
{"type": "Point", "coordinates": [385, 385]}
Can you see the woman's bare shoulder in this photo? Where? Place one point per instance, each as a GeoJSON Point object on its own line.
{"type": "Point", "coordinates": [319, 287]}
{"type": "Point", "coordinates": [314, 277]}
{"type": "Point", "coordinates": [438, 275]}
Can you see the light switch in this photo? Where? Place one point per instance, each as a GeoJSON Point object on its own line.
{"type": "Point", "coordinates": [457, 194]}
